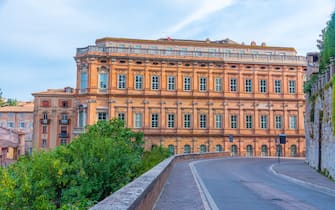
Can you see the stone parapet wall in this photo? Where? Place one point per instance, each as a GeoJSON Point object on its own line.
{"type": "Point", "coordinates": [319, 129]}
{"type": "Point", "coordinates": [143, 192]}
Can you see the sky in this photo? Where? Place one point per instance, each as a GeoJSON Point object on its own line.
{"type": "Point", "coordinates": [38, 38]}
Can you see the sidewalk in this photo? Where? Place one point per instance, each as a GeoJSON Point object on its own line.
{"type": "Point", "coordinates": [180, 190]}
{"type": "Point", "coordinates": [300, 172]}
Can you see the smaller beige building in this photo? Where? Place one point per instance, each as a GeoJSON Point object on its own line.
{"type": "Point", "coordinates": [11, 145]}
{"type": "Point", "coordinates": [19, 118]}
{"type": "Point", "coordinates": [53, 117]}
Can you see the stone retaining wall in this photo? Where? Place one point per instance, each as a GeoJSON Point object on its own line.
{"type": "Point", "coordinates": [143, 192]}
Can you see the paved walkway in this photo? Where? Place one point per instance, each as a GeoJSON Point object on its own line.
{"type": "Point", "coordinates": [300, 172]}
{"type": "Point", "coordinates": [181, 191]}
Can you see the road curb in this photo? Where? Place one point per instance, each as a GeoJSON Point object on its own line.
{"type": "Point", "coordinates": [206, 197]}
{"type": "Point", "coordinates": [320, 188]}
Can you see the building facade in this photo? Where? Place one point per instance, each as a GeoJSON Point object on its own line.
{"type": "Point", "coordinates": [12, 144]}
{"type": "Point", "coordinates": [53, 117]}
{"type": "Point", "coordinates": [19, 118]}
{"type": "Point", "coordinates": [193, 95]}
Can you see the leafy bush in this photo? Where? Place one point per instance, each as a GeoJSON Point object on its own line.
{"type": "Point", "coordinates": [78, 175]}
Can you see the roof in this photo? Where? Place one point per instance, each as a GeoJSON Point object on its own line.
{"type": "Point", "coordinates": [67, 91]}
{"type": "Point", "coordinates": [7, 139]}
{"type": "Point", "coordinates": [205, 43]}
{"type": "Point", "coordinates": [22, 107]}
{"type": "Point", "coordinates": [6, 143]}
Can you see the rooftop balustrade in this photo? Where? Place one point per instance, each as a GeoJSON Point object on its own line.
{"type": "Point", "coordinates": [196, 55]}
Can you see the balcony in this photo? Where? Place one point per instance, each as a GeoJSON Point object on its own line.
{"type": "Point", "coordinates": [64, 122]}
{"type": "Point", "coordinates": [63, 135]}
{"type": "Point", "coordinates": [44, 121]}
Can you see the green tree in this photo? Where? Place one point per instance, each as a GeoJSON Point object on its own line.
{"type": "Point", "coordinates": [2, 100]}
{"type": "Point", "coordinates": [327, 43]}
{"type": "Point", "coordinates": [78, 175]}
{"type": "Point", "coordinates": [11, 102]}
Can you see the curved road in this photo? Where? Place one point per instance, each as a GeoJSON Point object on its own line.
{"type": "Point", "coordinates": [248, 183]}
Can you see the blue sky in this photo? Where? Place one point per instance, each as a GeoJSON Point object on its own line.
{"type": "Point", "coordinates": [38, 38]}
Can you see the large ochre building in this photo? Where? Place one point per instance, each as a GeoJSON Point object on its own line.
{"type": "Point", "coordinates": [193, 95]}
{"type": "Point", "coordinates": [196, 96]}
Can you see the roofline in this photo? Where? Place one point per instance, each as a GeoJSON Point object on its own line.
{"type": "Point", "coordinates": [190, 42]}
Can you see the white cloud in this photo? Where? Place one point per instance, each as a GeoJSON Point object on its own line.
{"type": "Point", "coordinates": [205, 9]}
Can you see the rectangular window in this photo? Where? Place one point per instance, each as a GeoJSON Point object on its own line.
{"type": "Point", "coordinates": [277, 86]}
{"type": "Point", "coordinates": [263, 88]}
{"type": "Point", "coordinates": [138, 120]}
{"type": "Point", "coordinates": [10, 124]}
{"type": "Point", "coordinates": [155, 82]}
{"type": "Point", "coordinates": [121, 81]}
{"type": "Point", "coordinates": [83, 80]}
{"type": "Point", "coordinates": [63, 142]}
{"type": "Point", "coordinates": [103, 80]}
{"type": "Point", "coordinates": [187, 120]}
{"type": "Point", "coordinates": [138, 82]}
{"type": "Point", "coordinates": [278, 122]}
{"type": "Point", "coordinates": [187, 83]}
{"type": "Point", "coordinates": [170, 120]}
{"type": "Point", "coordinates": [122, 116]}
{"type": "Point", "coordinates": [203, 120]}
{"type": "Point", "coordinates": [137, 49]}
{"type": "Point", "coordinates": [154, 120]}
{"type": "Point", "coordinates": [291, 86]}
{"type": "Point", "coordinates": [183, 51]}
{"type": "Point", "coordinates": [102, 115]}
{"type": "Point", "coordinates": [44, 129]}
{"type": "Point", "coordinates": [203, 84]}
{"type": "Point", "coordinates": [218, 84]}
{"type": "Point", "coordinates": [233, 85]}
{"type": "Point", "coordinates": [233, 121]}
{"type": "Point", "coordinates": [248, 121]}
{"type": "Point", "coordinates": [264, 121]}
{"type": "Point", "coordinates": [10, 115]}
{"type": "Point", "coordinates": [171, 83]}
{"type": "Point", "coordinates": [293, 122]}
{"type": "Point", "coordinates": [81, 119]}
{"type": "Point", "coordinates": [64, 116]}
{"type": "Point", "coordinates": [248, 86]}
{"type": "Point", "coordinates": [218, 121]}
{"type": "Point", "coordinates": [21, 115]}
{"type": "Point", "coordinates": [22, 125]}
{"type": "Point", "coordinates": [44, 143]}
{"type": "Point", "coordinates": [153, 50]}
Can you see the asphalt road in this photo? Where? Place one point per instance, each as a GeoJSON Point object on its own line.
{"type": "Point", "coordinates": [247, 183]}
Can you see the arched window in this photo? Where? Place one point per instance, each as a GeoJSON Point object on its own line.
{"type": "Point", "coordinates": [45, 116]}
{"type": "Point", "coordinates": [233, 150]}
{"type": "Point", "coordinates": [293, 150]}
{"type": "Point", "coordinates": [187, 148]}
{"type": "Point", "coordinates": [249, 150]}
{"type": "Point", "coordinates": [203, 148]}
{"type": "Point", "coordinates": [264, 150]}
{"type": "Point", "coordinates": [218, 148]}
{"type": "Point", "coordinates": [171, 149]}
